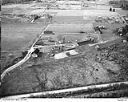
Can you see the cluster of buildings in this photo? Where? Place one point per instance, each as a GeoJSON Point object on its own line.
{"type": "Point", "coordinates": [58, 48]}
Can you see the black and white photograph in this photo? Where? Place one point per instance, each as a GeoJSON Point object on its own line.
{"type": "Point", "coordinates": [64, 49]}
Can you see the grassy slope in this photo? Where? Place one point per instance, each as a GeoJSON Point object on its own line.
{"type": "Point", "coordinates": [16, 37]}
{"type": "Point", "coordinates": [107, 65]}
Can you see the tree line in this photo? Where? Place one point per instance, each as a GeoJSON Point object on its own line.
{"type": "Point", "coordinates": [14, 1]}
{"type": "Point", "coordinates": [119, 3]}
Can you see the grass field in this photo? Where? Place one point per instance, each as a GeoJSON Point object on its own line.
{"type": "Point", "coordinates": [71, 28]}
{"type": "Point", "coordinates": [19, 35]}
{"type": "Point", "coordinates": [15, 38]}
